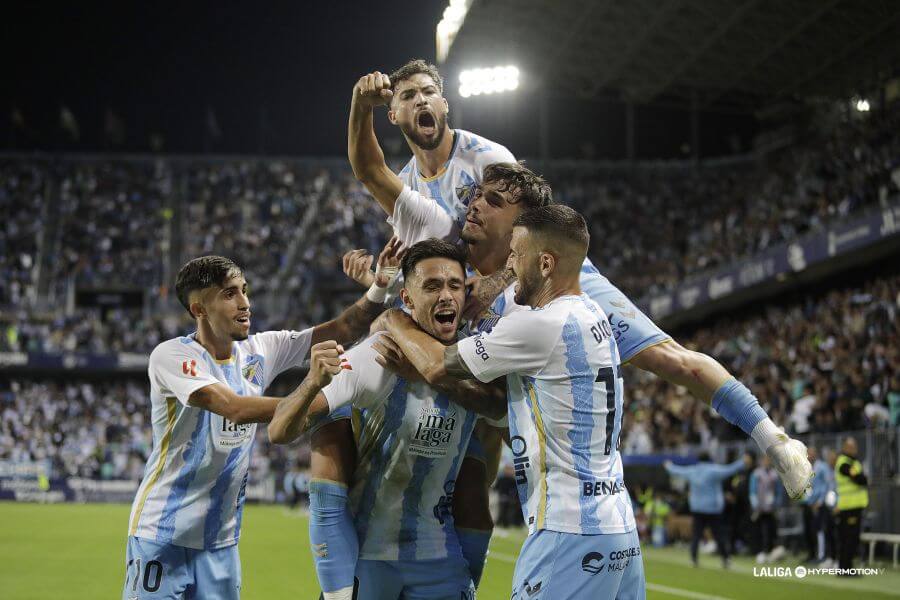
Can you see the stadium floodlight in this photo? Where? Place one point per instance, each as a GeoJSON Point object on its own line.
{"type": "Point", "coordinates": [862, 105]}
{"type": "Point", "coordinates": [492, 80]}
{"type": "Point", "coordinates": [449, 25]}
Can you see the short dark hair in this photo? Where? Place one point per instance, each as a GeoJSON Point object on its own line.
{"type": "Point", "coordinates": [431, 248]}
{"type": "Point", "coordinates": [203, 272]}
{"type": "Point", "coordinates": [529, 188]}
{"type": "Point", "coordinates": [556, 220]}
{"type": "Point", "coordinates": [413, 67]}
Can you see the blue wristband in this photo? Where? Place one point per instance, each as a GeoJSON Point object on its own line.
{"type": "Point", "coordinates": [738, 405]}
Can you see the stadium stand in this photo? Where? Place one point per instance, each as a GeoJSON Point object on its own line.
{"type": "Point", "coordinates": [124, 225]}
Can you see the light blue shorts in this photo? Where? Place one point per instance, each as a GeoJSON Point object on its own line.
{"type": "Point", "coordinates": [439, 579]}
{"type": "Point", "coordinates": [569, 566]}
{"type": "Point", "coordinates": [165, 571]}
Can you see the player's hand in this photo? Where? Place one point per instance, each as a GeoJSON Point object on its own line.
{"type": "Point", "coordinates": [373, 90]}
{"type": "Point", "coordinates": [667, 464]}
{"type": "Point", "coordinates": [389, 262]}
{"type": "Point", "coordinates": [358, 267]}
{"type": "Point", "coordinates": [324, 362]}
{"type": "Point", "coordinates": [391, 357]}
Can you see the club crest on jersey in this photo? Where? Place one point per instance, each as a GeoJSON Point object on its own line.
{"type": "Point", "coordinates": [434, 432]}
{"type": "Point", "coordinates": [253, 370]}
{"type": "Point", "coordinates": [465, 193]}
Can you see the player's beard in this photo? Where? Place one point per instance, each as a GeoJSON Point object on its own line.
{"type": "Point", "coordinates": [526, 288]}
{"type": "Point", "coordinates": [420, 140]}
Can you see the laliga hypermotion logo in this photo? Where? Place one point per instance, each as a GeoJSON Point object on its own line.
{"type": "Point", "coordinates": [189, 369]}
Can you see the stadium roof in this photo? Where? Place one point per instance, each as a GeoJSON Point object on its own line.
{"type": "Point", "coordinates": [727, 54]}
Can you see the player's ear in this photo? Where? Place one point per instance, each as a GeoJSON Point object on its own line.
{"type": "Point", "coordinates": [197, 309]}
{"type": "Point", "coordinates": [548, 263]}
{"type": "Point", "coordinates": [392, 117]}
{"type": "Point", "coordinates": [407, 299]}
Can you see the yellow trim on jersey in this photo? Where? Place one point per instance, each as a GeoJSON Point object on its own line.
{"type": "Point", "coordinates": [424, 179]}
{"type": "Point", "coordinates": [224, 361]}
{"type": "Point", "coordinates": [542, 444]}
{"type": "Point", "coordinates": [171, 404]}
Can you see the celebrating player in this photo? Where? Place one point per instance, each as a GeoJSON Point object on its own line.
{"type": "Point", "coordinates": [562, 369]}
{"type": "Point", "coordinates": [206, 398]}
{"type": "Point", "coordinates": [507, 191]}
{"type": "Point", "coordinates": [412, 440]}
{"type": "Point", "coordinates": [447, 164]}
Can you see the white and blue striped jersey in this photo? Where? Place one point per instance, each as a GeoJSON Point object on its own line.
{"type": "Point", "coordinates": [454, 185]}
{"type": "Point", "coordinates": [565, 413]}
{"type": "Point", "coordinates": [417, 217]}
{"type": "Point", "coordinates": [192, 492]}
{"type": "Point", "coordinates": [411, 441]}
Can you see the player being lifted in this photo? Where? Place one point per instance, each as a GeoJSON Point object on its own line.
{"type": "Point", "coordinates": [446, 165]}
{"type": "Point", "coordinates": [206, 395]}
{"type": "Point", "coordinates": [487, 231]}
{"type": "Point", "coordinates": [412, 438]}
{"type": "Point", "coordinates": [562, 370]}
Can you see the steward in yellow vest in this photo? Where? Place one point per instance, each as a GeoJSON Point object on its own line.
{"type": "Point", "coordinates": [853, 497]}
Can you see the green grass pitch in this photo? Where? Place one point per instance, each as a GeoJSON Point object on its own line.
{"type": "Point", "coordinates": [77, 552]}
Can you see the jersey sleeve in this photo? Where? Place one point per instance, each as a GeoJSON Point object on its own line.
{"type": "Point", "coordinates": [519, 343]}
{"type": "Point", "coordinates": [495, 153]}
{"type": "Point", "coordinates": [283, 350]}
{"type": "Point", "coordinates": [179, 370]}
{"type": "Point", "coordinates": [362, 382]}
{"type": "Point", "coordinates": [417, 217]}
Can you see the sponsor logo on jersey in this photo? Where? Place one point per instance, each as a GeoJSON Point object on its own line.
{"type": "Point", "coordinates": [189, 368]}
{"type": "Point", "coordinates": [521, 462]}
{"type": "Point", "coordinates": [601, 488]}
{"type": "Point", "coordinates": [434, 432]}
{"type": "Point", "coordinates": [228, 434]}
{"type": "Point", "coordinates": [479, 348]}
{"type": "Point", "coordinates": [444, 506]}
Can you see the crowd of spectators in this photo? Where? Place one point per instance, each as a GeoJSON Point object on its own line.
{"type": "Point", "coordinates": [823, 364]}
{"type": "Point", "coordinates": [826, 363]}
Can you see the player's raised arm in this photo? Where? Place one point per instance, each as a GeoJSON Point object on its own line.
{"type": "Point", "coordinates": [354, 322]}
{"type": "Point", "coordinates": [294, 413]}
{"type": "Point", "coordinates": [363, 150]}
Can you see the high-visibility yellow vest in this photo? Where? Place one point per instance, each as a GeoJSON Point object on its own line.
{"type": "Point", "coordinates": [850, 494]}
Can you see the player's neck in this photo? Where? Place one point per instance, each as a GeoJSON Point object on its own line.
{"type": "Point", "coordinates": [219, 348]}
{"type": "Point", "coordinates": [487, 259]}
{"type": "Point", "coordinates": [430, 162]}
{"type": "Point", "coordinates": [554, 289]}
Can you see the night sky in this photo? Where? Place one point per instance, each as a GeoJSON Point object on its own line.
{"type": "Point", "coordinates": [277, 77]}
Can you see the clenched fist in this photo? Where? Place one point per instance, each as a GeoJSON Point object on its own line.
{"type": "Point", "coordinates": [324, 362]}
{"type": "Point", "coordinates": [373, 90]}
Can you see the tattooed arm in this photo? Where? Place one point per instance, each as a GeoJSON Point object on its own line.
{"type": "Point", "coordinates": [485, 290]}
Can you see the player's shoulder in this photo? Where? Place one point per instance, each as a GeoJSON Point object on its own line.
{"type": "Point", "coordinates": [480, 148]}
{"type": "Point", "coordinates": [257, 341]}
{"type": "Point", "coordinates": [177, 346]}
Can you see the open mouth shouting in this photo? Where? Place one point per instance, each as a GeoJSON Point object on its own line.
{"type": "Point", "coordinates": [243, 320]}
{"type": "Point", "coordinates": [446, 320]}
{"type": "Point", "coordinates": [426, 123]}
